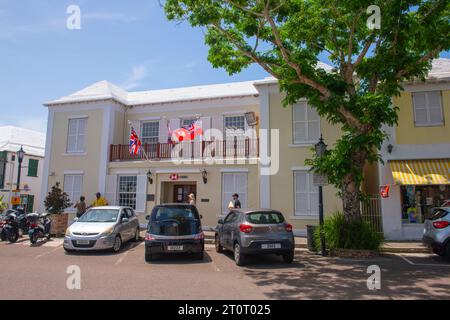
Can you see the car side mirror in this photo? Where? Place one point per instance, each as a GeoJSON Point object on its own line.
{"type": "Point", "coordinates": [75, 219]}
{"type": "Point", "coordinates": [147, 217]}
{"type": "Point", "coordinates": [220, 221]}
{"type": "Point", "coordinates": [125, 220]}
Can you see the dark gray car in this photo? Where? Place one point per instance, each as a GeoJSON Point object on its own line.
{"type": "Point", "coordinates": [255, 232]}
{"type": "Point", "coordinates": [436, 232]}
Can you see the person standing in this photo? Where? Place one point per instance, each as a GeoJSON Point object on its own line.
{"type": "Point", "coordinates": [99, 201]}
{"type": "Point", "coordinates": [191, 199]}
{"type": "Point", "coordinates": [80, 206]}
{"type": "Point", "coordinates": [235, 203]}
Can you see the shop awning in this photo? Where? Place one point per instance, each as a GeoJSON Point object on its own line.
{"type": "Point", "coordinates": [420, 172]}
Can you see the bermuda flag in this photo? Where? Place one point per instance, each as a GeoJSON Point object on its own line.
{"type": "Point", "coordinates": [135, 143]}
{"type": "Point", "coordinates": [187, 133]}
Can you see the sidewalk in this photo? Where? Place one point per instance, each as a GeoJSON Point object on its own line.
{"type": "Point", "coordinates": [388, 247]}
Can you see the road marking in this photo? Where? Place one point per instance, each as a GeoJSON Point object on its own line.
{"type": "Point", "coordinates": [423, 264]}
{"type": "Point", "coordinates": [124, 255]}
{"type": "Point", "coordinates": [47, 253]}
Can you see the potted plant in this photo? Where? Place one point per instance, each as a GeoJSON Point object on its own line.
{"type": "Point", "coordinates": [3, 205]}
{"type": "Point", "coordinates": [55, 203]}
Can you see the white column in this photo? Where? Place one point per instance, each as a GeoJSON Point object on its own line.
{"type": "Point", "coordinates": [264, 180]}
{"type": "Point", "coordinates": [47, 158]}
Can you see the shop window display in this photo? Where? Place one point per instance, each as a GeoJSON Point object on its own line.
{"type": "Point", "coordinates": [418, 202]}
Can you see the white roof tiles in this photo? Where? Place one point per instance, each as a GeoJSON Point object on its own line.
{"type": "Point", "coordinates": [11, 138]}
{"type": "Point", "coordinates": [105, 90]}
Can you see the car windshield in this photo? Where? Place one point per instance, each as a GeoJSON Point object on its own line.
{"type": "Point", "coordinates": [174, 221]}
{"type": "Point", "coordinates": [265, 217]}
{"type": "Point", "coordinates": [99, 215]}
{"type": "Point", "coordinates": [174, 213]}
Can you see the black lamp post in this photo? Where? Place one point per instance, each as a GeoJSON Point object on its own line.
{"type": "Point", "coordinates": [20, 156]}
{"type": "Point", "coordinates": [321, 148]}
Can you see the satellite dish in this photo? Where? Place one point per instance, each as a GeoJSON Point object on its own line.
{"type": "Point", "coordinates": [251, 119]}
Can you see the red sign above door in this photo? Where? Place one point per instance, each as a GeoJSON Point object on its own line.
{"type": "Point", "coordinates": [174, 177]}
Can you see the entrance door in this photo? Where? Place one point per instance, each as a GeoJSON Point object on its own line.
{"type": "Point", "coordinates": [181, 192]}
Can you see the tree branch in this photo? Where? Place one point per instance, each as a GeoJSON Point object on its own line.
{"type": "Point", "coordinates": [426, 57]}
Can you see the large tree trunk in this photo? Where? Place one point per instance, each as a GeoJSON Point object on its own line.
{"type": "Point", "coordinates": [351, 199]}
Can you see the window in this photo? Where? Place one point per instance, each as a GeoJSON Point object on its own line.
{"type": "Point", "coordinates": [3, 155]}
{"type": "Point", "coordinates": [33, 167]}
{"type": "Point", "coordinates": [234, 126]}
{"type": "Point", "coordinates": [76, 137]}
{"type": "Point", "coordinates": [187, 122]}
{"type": "Point", "coordinates": [306, 194]}
{"type": "Point", "coordinates": [306, 123]}
{"type": "Point", "coordinates": [427, 108]}
{"type": "Point", "coordinates": [150, 132]}
{"type": "Point", "coordinates": [73, 186]}
{"type": "Point", "coordinates": [234, 183]}
{"type": "Point", "coordinates": [127, 191]}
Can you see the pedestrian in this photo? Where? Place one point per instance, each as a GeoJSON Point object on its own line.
{"type": "Point", "coordinates": [80, 206]}
{"type": "Point", "coordinates": [191, 198]}
{"type": "Point", "coordinates": [99, 201]}
{"type": "Point", "coordinates": [235, 203]}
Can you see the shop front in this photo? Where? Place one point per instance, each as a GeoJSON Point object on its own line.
{"type": "Point", "coordinates": [418, 187]}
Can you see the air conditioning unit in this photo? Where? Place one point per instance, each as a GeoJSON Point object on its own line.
{"type": "Point", "coordinates": [251, 118]}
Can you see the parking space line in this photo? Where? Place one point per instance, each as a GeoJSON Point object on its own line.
{"type": "Point", "coordinates": [48, 252]}
{"type": "Point", "coordinates": [120, 260]}
{"type": "Point", "coordinates": [422, 264]}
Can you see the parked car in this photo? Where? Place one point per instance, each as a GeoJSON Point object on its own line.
{"type": "Point", "coordinates": [437, 232]}
{"type": "Point", "coordinates": [255, 232]}
{"type": "Point", "coordinates": [102, 228]}
{"type": "Point", "coordinates": [174, 228]}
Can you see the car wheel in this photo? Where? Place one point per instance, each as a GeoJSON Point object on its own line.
{"type": "Point", "coordinates": [288, 257]}
{"type": "Point", "coordinates": [447, 252]}
{"type": "Point", "coordinates": [219, 248]}
{"type": "Point", "coordinates": [137, 235]}
{"type": "Point", "coordinates": [33, 239]}
{"type": "Point", "coordinates": [117, 244]}
{"type": "Point", "coordinates": [239, 258]}
{"type": "Point", "coordinates": [148, 256]}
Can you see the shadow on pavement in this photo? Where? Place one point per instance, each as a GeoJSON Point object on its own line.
{"type": "Point", "coordinates": [128, 246]}
{"type": "Point", "coordinates": [267, 261]}
{"type": "Point", "coordinates": [315, 277]}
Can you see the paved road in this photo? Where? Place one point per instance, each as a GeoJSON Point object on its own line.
{"type": "Point", "coordinates": [125, 275]}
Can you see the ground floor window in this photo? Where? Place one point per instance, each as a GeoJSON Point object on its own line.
{"type": "Point", "coordinates": [127, 191]}
{"type": "Point", "coordinates": [418, 201]}
{"type": "Point", "coordinates": [73, 186]}
{"type": "Point", "coordinates": [234, 183]}
{"type": "Point", "coordinates": [306, 197]}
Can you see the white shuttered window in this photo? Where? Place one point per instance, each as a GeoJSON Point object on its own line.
{"type": "Point", "coordinates": [306, 194]}
{"type": "Point", "coordinates": [428, 108]}
{"type": "Point", "coordinates": [76, 137]}
{"type": "Point", "coordinates": [306, 126]}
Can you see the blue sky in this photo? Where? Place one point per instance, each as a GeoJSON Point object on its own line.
{"type": "Point", "coordinates": [129, 43]}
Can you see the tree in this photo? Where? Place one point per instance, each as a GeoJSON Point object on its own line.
{"type": "Point", "coordinates": [287, 37]}
{"type": "Point", "coordinates": [57, 200]}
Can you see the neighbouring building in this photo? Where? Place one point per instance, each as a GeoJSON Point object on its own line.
{"type": "Point", "coordinates": [88, 135]}
{"type": "Point", "coordinates": [33, 142]}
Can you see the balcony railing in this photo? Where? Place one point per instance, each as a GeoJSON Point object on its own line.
{"type": "Point", "coordinates": [226, 149]}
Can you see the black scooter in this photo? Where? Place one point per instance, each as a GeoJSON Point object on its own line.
{"type": "Point", "coordinates": [15, 224]}
{"type": "Point", "coordinates": [40, 226]}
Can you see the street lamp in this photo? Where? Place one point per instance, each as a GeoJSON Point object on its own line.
{"type": "Point", "coordinates": [20, 156]}
{"type": "Point", "coordinates": [321, 148]}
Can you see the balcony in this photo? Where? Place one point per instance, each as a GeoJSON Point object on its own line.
{"type": "Point", "coordinates": [195, 150]}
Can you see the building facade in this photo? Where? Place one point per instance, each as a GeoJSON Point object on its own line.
{"type": "Point", "coordinates": [33, 142]}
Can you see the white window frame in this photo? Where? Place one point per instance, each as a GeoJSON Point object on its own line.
{"type": "Point", "coordinates": [225, 127]}
{"type": "Point", "coordinates": [128, 192]}
{"type": "Point", "coordinates": [77, 135]}
{"type": "Point", "coordinates": [427, 108]}
{"type": "Point", "coordinates": [156, 138]}
{"type": "Point", "coordinates": [74, 195]}
{"type": "Point", "coordinates": [227, 195]}
{"type": "Point", "coordinates": [308, 139]}
{"type": "Point", "coordinates": [308, 212]}
{"type": "Point", "coordinates": [182, 121]}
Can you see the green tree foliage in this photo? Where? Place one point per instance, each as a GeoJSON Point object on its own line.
{"type": "Point", "coordinates": [286, 38]}
{"type": "Point", "coordinates": [57, 200]}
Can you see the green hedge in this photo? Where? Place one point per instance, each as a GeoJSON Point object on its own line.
{"type": "Point", "coordinates": [339, 234]}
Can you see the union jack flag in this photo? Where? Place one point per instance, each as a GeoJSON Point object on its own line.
{"type": "Point", "coordinates": [135, 143]}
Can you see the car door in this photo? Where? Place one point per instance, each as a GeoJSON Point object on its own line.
{"type": "Point", "coordinates": [124, 226]}
{"type": "Point", "coordinates": [134, 222]}
{"type": "Point", "coordinates": [226, 230]}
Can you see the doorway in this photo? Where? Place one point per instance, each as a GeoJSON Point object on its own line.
{"type": "Point", "coordinates": [181, 192]}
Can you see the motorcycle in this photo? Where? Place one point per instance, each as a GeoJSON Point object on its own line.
{"type": "Point", "coordinates": [40, 226]}
{"type": "Point", "coordinates": [15, 224]}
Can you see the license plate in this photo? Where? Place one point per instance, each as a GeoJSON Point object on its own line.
{"type": "Point", "coordinates": [271, 246]}
{"type": "Point", "coordinates": [175, 248]}
{"type": "Point", "coordinates": [82, 241]}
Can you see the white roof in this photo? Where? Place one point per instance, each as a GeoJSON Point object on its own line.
{"type": "Point", "coordinates": [11, 138]}
{"type": "Point", "coordinates": [440, 69]}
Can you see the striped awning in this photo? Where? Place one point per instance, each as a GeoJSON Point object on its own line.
{"type": "Point", "coordinates": [417, 172]}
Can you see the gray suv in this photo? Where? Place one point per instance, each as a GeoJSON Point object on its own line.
{"type": "Point", "coordinates": [436, 233]}
{"type": "Point", "coordinates": [255, 232]}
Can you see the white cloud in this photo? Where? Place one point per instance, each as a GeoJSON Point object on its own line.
{"type": "Point", "coordinates": [134, 79]}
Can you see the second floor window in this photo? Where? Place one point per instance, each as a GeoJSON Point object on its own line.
{"type": "Point", "coordinates": [33, 167]}
{"type": "Point", "coordinates": [306, 124]}
{"type": "Point", "coordinates": [150, 132]}
{"type": "Point", "coordinates": [234, 126]}
{"type": "Point", "coordinates": [427, 108]}
{"type": "Point", "coordinates": [76, 137]}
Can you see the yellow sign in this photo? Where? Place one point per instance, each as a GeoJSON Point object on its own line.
{"type": "Point", "coordinates": [15, 198]}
